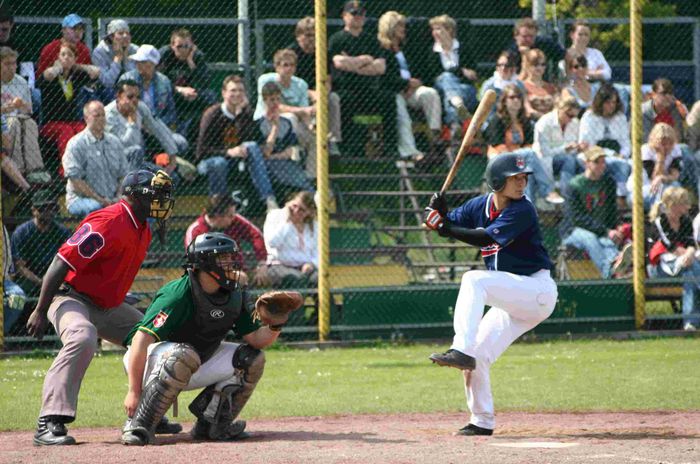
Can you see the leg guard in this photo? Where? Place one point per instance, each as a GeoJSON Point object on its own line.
{"type": "Point", "coordinates": [252, 363]}
{"type": "Point", "coordinates": [159, 394]}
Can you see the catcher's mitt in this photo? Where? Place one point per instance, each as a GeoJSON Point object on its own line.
{"type": "Point", "coordinates": [273, 308]}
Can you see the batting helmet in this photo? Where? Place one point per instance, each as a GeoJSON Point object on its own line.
{"type": "Point", "coordinates": [218, 255]}
{"type": "Point", "coordinates": [151, 192]}
{"type": "Point", "coordinates": [502, 166]}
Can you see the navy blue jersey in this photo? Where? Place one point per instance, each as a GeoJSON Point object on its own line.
{"type": "Point", "coordinates": [516, 231]}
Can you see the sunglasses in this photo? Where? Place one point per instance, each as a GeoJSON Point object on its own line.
{"type": "Point", "coordinates": [575, 66]}
{"type": "Point", "coordinates": [513, 97]}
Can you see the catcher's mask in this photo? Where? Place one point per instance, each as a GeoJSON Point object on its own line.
{"type": "Point", "coordinates": [218, 255]}
{"type": "Point", "coordinates": [152, 193]}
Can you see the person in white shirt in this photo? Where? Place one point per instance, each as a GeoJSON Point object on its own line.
{"type": "Point", "coordinates": [604, 124]}
{"type": "Point", "coordinates": [598, 67]}
{"type": "Point", "coordinates": [556, 142]}
{"type": "Point", "coordinates": [291, 239]}
{"type": "Point", "coordinates": [662, 161]}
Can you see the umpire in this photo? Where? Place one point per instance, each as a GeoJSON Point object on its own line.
{"type": "Point", "coordinates": [83, 290]}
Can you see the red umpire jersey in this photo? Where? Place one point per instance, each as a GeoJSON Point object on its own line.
{"type": "Point", "coordinates": [105, 253]}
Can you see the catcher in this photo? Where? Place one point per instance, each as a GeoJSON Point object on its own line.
{"type": "Point", "coordinates": [179, 345]}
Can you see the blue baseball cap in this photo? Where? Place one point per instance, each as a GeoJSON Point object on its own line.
{"type": "Point", "coordinates": [72, 20]}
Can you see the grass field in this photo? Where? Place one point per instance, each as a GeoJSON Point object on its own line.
{"type": "Point", "coordinates": [585, 375]}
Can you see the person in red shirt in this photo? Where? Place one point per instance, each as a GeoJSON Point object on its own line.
{"type": "Point", "coordinates": [83, 291]}
{"type": "Point", "coordinates": [222, 215]}
{"type": "Point", "coordinates": [73, 30]}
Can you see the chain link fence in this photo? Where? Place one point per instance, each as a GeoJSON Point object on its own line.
{"type": "Point", "coordinates": [224, 100]}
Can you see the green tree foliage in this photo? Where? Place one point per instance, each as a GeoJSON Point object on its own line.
{"type": "Point", "coordinates": [579, 9]}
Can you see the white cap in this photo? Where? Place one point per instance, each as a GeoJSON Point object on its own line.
{"type": "Point", "coordinates": [146, 53]}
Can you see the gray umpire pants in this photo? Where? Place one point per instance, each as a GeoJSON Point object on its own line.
{"type": "Point", "coordinates": [79, 323]}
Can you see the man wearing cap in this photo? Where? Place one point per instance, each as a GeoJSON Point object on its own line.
{"type": "Point", "coordinates": [592, 210]}
{"type": "Point", "coordinates": [35, 242]}
{"type": "Point", "coordinates": [156, 89]}
{"type": "Point", "coordinates": [355, 63]}
{"type": "Point", "coordinates": [72, 31]}
{"type": "Point", "coordinates": [112, 53]}
{"type": "Point", "coordinates": [94, 164]}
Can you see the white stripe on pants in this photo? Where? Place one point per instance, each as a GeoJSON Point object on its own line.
{"type": "Point", "coordinates": [518, 303]}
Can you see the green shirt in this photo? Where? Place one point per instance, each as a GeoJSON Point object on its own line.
{"type": "Point", "coordinates": [173, 307]}
{"type": "Point", "coordinates": [592, 204]}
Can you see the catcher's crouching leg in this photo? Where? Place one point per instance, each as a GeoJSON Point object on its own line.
{"type": "Point", "coordinates": [160, 393]}
{"type": "Point", "coordinates": [217, 406]}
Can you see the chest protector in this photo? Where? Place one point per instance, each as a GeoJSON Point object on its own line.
{"type": "Point", "coordinates": [212, 318]}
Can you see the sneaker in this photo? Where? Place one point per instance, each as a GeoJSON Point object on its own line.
{"type": "Point", "coordinates": [333, 149]}
{"type": "Point", "coordinates": [554, 198]}
{"type": "Point", "coordinates": [689, 327]}
{"type": "Point", "coordinates": [165, 427]}
{"type": "Point", "coordinates": [137, 436]}
{"type": "Point", "coordinates": [471, 430]}
{"type": "Point", "coordinates": [271, 203]}
{"type": "Point", "coordinates": [623, 263]}
{"type": "Point", "coordinates": [462, 112]}
{"type": "Point", "coordinates": [454, 358]}
{"type": "Point", "coordinates": [51, 431]}
{"type": "Point", "coordinates": [543, 205]}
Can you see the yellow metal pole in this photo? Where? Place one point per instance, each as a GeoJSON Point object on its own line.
{"type": "Point", "coordinates": [2, 280]}
{"type": "Point", "coordinates": [636, 122]}
{"type": "Point", "coordinates": [322, 184]}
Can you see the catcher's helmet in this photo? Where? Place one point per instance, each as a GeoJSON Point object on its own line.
{"type": "Point", "coordinates": [153, 193]}
{"type": "Point", "coordinates": [502, 166]}
{"type": "Point", "coordinates": [218, 255]}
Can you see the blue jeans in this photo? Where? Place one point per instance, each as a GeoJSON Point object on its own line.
{"type": "Point", "coordinates": [601, 250]}
{"type": "Point", "coordinates": [690, 172]}
{"type": "Point", "coordinates": [691, 312]}
{"type": "Point", "coordinates": [620, 170]}
{"type": "Point", "coordinates": [83, 206]}
{"type": "Point", "coordinates": [539, 184]}
{"type": "Point", "coordinates": [566, 167]}
{"type": "Point", "coordinates": [449, 85]}
{"type": "Point", "coordinates": [13, 304]}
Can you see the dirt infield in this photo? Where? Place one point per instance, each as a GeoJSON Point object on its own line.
{"type": "Point", "coordinates": [668, 438]}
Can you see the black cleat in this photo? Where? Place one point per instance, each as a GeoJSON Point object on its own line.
{"type": "Point", "coordinates": [51, 431]}
{"type": "Point", "coordinates": [233, 431]}
{"type": "Point", "coordinates": [471, 430]}
{"type": "Point", "coordinates": [454, 358]}
{"type": "Point", "coordinates": [165, 427]}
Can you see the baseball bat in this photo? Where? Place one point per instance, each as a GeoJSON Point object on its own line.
{"type": "Point", "coordinates": [482, 112]}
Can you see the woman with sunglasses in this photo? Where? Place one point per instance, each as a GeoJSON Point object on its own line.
{"type": "Point", "coordinates": [541, 94]}
{"type": "Point", "coordinates": [578, 86]}
{"type": "Point", "coordinates": [598, 67]}
{"type": "Point", "coordinates": [506, 65]}
{"type": "Point", "coordinates": [509, 129]}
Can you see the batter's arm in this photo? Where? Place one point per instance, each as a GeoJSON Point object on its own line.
{"type": "Point", "coordinates": [475, 237]}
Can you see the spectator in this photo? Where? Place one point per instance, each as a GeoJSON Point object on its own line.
{"type": "Point", "coordinates": [673, 253]}
{"type": "Point", "coordinates": [305, 48]}
{"type": "Point", "coordinates": [355, 63]}
{"type": "Point", "coordinates": [61, 85]}
{"type": "Point", "coordinates": [291, 238]}
{"type": "Point", "coordinates": [22, 130]}
{"type": "Point", "coordinates": [227, 135]}
{"type": "Point", "coordinates": [598, 67]}
{"type": "Point", "coordinates": [13, 296]}
{"type": "Point", "coordinates": [503, 75]}
{"type": "Point", "coordinates": [556, 142]}
{"type": "Point", "coordinates": [409, 91]}
{"type": "Point", "coordinates": [26, 68]}
{"type": "Point", "coordinates": [127, 118]}
{"type": "Point", "coordinates": [184, 64]}
{"type": "Point", "coordinates": [35, 242]}
{"type": "Point", "coordinates": [278, 143]}
{"type": "Point", "coordinates": [72, 31]}
{"type": "Point", "coordinates": [525, 38]}
{"type": "Point", "coordinates": [661, 160]}
{"type": "Point", "coordinates": [94, 164]}
{"type": "Point", "coordinates": [541, 94]}
{"type": "Point", "coordinates": [222, 215]}
{"type": "Point", "coordinates": [508, 130]}
{"type": "Point", "coordinates": [112, 53]}
{"type": "Point", "coordinates": [450, 67]}
{"type": "Point", "coordinates": [578, 86]}
{"type": "Point", "coordinates": [604, 124]}
{"type": "Point", "coordinates": [592, 211]}
{"type": "Point", "coordinates": [156, 89]}
{"type": "Point", "coordinates": [295, 103]}
{"type": "Point", "coordinates": [664, 107]}
{"type": "Point", "coordinates": [8, 166]}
